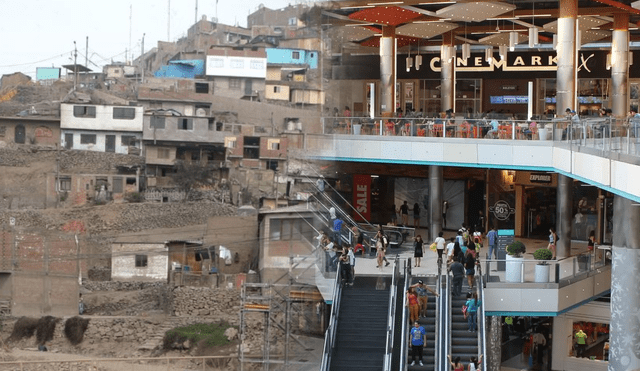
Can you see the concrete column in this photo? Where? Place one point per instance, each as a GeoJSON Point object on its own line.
{"type": "Point", "coordinates": [494, 343]}
{"type": "Point", "coordinates": [447, 75]}
{"type": "Point", "coordinates": [564, 202]}
{"type": "Point", "coordinates": [625, 296]}
{"type": "Point", "coordinates": [436, 183]}
{"type": "Point", "coordinates": [388, 71]}
{"type": "Point", "coordinates": [620, 64]}
{"type": "Point", "coordinates": [566, 73]}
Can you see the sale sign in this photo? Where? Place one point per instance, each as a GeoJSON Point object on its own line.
{"type": "Point", "coordinates": [362, 196]}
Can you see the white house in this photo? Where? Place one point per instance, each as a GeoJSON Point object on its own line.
{"type": "Point", "coordinates": [139, 261]}
{"type": "Point", "coordinates": [101, 128]}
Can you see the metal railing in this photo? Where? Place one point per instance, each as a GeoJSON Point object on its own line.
{"type": "Point", "coordinates": [330, 334]}
{"type": "Point", "coordinates": [391, 314]}
{"type": "Point", "coordinates": [482, 333]}
{"type": "Point", "coordinates": [606, 133]}
{"type": "Point", "coordinates": [561, 271]}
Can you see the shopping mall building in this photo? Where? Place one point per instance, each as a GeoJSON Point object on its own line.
{"type": "Point", "coordinates": [433, 102]}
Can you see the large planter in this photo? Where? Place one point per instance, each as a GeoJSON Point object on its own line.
{"type": "Point", "coordinates": [542, 272]}
{"type": "Point", "coordinates": [513, 272]}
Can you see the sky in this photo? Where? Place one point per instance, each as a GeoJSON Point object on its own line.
{"type": "Point", "coordinates": [41, 33]}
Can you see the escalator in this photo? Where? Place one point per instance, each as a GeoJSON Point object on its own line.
{"type": "Point", "coordinates": [361, 331]}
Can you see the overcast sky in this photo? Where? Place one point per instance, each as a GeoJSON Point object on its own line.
{"type": "Point", "coordinates": [40, 33]}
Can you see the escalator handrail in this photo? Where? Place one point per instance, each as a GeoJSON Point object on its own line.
{"type": "Point", "coordinates": [482, 348]}
{"type": "Point", "coordinates": [446, 325]}
{"type": "Point", "coordinates": [391, 314]}
{"type": "Point", "coordinates": [330, 334]}
{"type": "Point", "coordinates": [343, 199]}
{"type": "Point", "coordinates": [404, 343]}
{"type": "Point", "coordinates": [438, 297]}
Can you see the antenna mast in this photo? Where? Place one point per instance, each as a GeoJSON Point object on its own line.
{"type": "Point", "coordinates": [130, 17]}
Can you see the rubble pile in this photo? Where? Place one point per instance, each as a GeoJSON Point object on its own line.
{"type": "Point", "coordinates": [97, 162]}
{"type": "Point", "coordinates": [119, 218]}
{"type": "Point", "coordinates": [220, 304]}
{"type": "Point", "coordinates": [121, 286]}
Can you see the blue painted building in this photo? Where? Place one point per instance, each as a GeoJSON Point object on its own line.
{"type": "Point", "coordinates": [183, 69]}
{"type": "Point", "coordinates": [292, 56]}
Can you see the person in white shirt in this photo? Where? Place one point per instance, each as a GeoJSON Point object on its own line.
{"type": "Point", "coordinates": [439, 241]}
{"type": "Point", "coordinates": [352, 262]}
{"type": "Point", "coordinates": [450, 248]}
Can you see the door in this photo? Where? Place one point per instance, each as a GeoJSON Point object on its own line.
{"type": "Point", "coordinates": [68, 141]}
{"type": "Point", "coordinates": [19, 134]}
{"type": "Point", "coordinates": [110, 143]}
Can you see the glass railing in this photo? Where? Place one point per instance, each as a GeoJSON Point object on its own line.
{"type": "Point", "coordinates": [606, 133]}
{"type": "Point", "coordinates": [520, 270]}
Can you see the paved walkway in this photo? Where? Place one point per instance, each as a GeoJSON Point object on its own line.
{"type": "Point", "coordinates": [367, 265]}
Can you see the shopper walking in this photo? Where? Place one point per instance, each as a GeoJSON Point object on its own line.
{"type": "Point", "coordinates": [423, 297]}
{"type": "Point", "coordinates": [418, 247]}
{"type": "Point", "coordinates": [413, 304]}
{"type": "Point", "coordinates": [457, 270]}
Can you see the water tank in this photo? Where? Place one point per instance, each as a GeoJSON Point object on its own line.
{"type": "Point", "coordinates": [201, 112]}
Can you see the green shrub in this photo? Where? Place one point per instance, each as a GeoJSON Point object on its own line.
{"type": "Point", "coordinates": [209, 334]}
{"type": "Point", "coordinates": [543, 254]}
{"type": "Point", "coordinates": [516, 249]}
{"type": "Point", "coordinates": [134, 197]}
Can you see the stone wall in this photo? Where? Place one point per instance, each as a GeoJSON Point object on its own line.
{"type": "Point", "coordinates": [202, 301]}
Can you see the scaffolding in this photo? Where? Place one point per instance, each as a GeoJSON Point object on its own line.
{"type": "Point", "coordinates": [291, 318]}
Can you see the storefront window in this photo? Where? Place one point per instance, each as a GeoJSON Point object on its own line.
{"type": "Point", "coordinates": [590, 340]}
{"type": "Point", "coordinates": [429, 101]}
{"type": "Point", "coordinates": [593, 94]}
{"type": "Point", "coordinates": [468, 98]}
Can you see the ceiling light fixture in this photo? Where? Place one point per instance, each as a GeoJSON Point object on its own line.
{"type": "Point", "coordinates": [488, 54]}
{"type": "Point", "coordinates": [533, 31]}
{"type": "Point", "coordinates": [608, 64]}
{"type": "Point", "coordinates": [555, 41]}
{"type": "Point", "coordinates": [409, 60]}
{"type": "Point", "coordinates": [502, 50]}
{"type": "Point", "coordinates": [513, 40]}
{"type": "Point", "coordinates": [418, 58]}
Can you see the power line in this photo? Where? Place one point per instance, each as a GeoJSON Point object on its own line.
{"type": "Point", "coordinates": [40, 61]}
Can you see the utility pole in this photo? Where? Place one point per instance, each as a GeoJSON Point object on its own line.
{"type": "Point", "coordinates": [86, 53]}
{"type": "Point", "coordinates": [142, 61]}
{"type": "Point", "coordinates": [169, 20]}
{"type": "Point", "coordinates": [130, 17]}
{"type": "Point", "coordinates": [75, 66]}
{"type": "Point", "coordinates": [196, 18]}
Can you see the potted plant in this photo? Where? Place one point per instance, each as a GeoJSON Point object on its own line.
{"type": "Point", "coordinates": [542, 268]}
{"type": "Point", "coordinates": [513, 272]}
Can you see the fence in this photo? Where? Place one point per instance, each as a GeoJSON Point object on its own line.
{"type": "Point", "coordinates": [205, 363]}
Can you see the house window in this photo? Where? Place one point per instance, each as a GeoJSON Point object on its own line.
{"type": "Point", "coordinates": [87, 139]}
{"type": "Point", "coordinates": [272, 165]}
{"type": "Point", "coordinates": [128, 140]}
{"type": "Point", "coordinates": [293, 21]}
{"type": "Point", "coordinates": [235, 83]}
{"type": "Point", "coordinates": [202, 87]}
{"type": "Point", "coordinates": [122, 113]}
{"type": "Point", "coordinates": [185, 124]}
{"type": "Point", "coordinates": [273, 144]}
{"type": "Point", "coordinates": [295, 55]}
{"type": "Point", "coordinates": [163, 153]}
{"type": "Point", "coordinates": [141, 261]}
{"type": "Point", "coordinates": [251, 147]}
{"type": "Point", "coordinates": [64, 184]}
{"type": "Point", "coordinates": [117, 185]}
{"type": "Point", "coordinates": [84, 111]}
{"type": "Point", "coordinates": [157, 122]}
{"type": "Point", "coordinates": [290, 229]}
{"type": "Point", "coordinates": [230, 142]}
{"type": "Point", "coordinates": [211, 124]}
{"type": "Point", "coordinates": [276, 89]}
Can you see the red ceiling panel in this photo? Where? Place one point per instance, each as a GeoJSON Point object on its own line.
{"type": "Point", "coordinates": [386, 15]}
